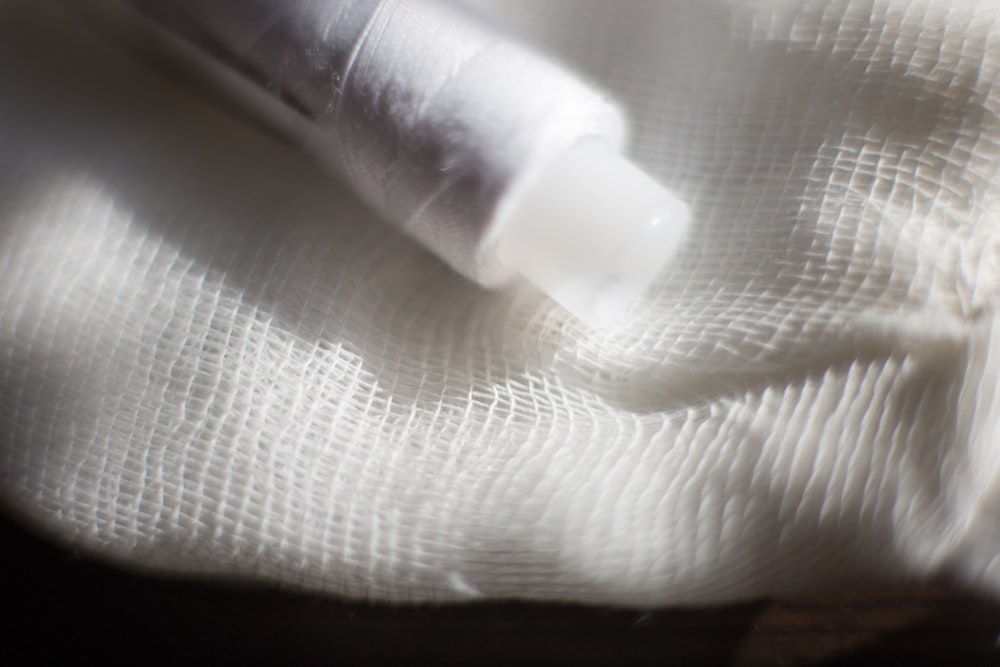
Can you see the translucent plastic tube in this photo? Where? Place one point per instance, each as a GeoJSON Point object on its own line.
{"type": "Point", "coordinates": [491, 156]}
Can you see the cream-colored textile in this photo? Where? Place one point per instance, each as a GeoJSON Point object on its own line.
{"type": "Point", "coordinates": [215, 360]}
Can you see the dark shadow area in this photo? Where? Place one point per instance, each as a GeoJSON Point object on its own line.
{"type": "Point", "coordinates": [918, 624]}
{"type": "Point", "coordinates": [67, 607]}
{"type": "Point", "coordinates": [957, 631]}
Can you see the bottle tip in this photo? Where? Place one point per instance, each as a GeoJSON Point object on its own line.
{"type": "Point", "coordinates": [592, 230]}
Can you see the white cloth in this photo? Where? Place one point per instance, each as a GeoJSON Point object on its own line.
{"type": "Point", "coordinates": [215, 361]}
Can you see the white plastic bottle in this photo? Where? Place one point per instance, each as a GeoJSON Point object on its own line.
{"type": "Point", "coordinates": [494, 158]}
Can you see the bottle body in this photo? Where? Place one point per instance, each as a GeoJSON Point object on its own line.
{"type": "Point", "coordinates": [494, 158]}
{"type": "Point", "coordinates": [432, 116]}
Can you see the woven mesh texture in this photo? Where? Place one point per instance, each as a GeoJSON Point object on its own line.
{"type": "Point", "coordinates": [214, 360]}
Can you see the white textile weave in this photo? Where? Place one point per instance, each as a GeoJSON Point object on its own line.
{"type": "Point", "coordinates": [216, 361]}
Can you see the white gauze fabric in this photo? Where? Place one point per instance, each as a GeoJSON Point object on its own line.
{"type": "Point", "coordinates": [217, 361]}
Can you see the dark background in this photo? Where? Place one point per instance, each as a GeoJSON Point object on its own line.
{"type": "Point", "coordinates": [64, 608]}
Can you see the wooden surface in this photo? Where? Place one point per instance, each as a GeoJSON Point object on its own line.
{"type": "Point", "coordinates": [85, 609]}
